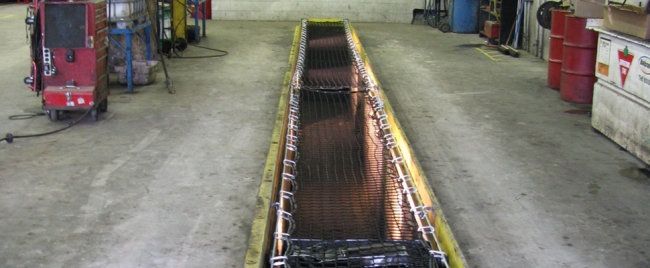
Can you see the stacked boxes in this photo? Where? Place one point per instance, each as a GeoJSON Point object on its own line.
{"type": "Point", "coordinates": [589, 8]}
{"type": "Point", "coordinates": [630, 20]}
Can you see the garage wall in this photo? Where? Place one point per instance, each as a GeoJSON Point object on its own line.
{"type": "Point", "coordinates": [536, 39]}
{"type": "Point", "coordinates": [400, 11]}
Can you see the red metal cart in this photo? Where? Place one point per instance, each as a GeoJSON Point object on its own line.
{"type": "Point", "coordinates": [69, 49]}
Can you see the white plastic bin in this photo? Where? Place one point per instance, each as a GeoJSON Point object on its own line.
{"type": "Point", "coordinates": [126, 9]}
{"type": "Point", "coordinates": [144, 72]}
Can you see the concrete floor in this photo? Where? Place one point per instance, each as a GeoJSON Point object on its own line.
{"type": "Point", "coordinates": [170, 180]}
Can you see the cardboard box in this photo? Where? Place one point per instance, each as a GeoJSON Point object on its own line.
{"type": "Point", "coordinates": [592, 23]}
{"type": "Point", "coordinates": [627, 19]}
{"type": "Point", "coordinates": [491, 29]}
{"type": "Point", "coordinates": [588, 9]}
{"type": "Point", "coordinates": [624, 61]}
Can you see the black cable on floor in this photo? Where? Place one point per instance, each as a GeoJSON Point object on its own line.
{"type": "Point", "coordinates": [183, 41]}
{"type": "Point", "coordinates": [225, 53]}
{"type": "Point", "coordinates": [24, 116]}
{"type": "Point", "coordinates": [9, 138]}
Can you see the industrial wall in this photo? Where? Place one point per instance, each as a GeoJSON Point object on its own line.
{"type": "Point", "coordinates": [291, 10]}
{"type": "Point", "coordinates": [536, 38]}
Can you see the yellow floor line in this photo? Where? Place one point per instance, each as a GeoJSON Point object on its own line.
{"type": "Point", "coordinates": [487, 54]}
{"type": "Point", "coordinates": [7, 16]}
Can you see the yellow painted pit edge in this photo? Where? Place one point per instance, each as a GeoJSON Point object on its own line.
{"type": "Point", "coordinates": [445, 236]}
{"type": "Point", "coordinates": [324, 20]}
{"type": "Point", "coordinates": [258, 238]}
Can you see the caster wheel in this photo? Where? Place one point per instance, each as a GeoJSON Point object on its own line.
{"type": "Point", "coordinates": [93, 114]}
{"type": "Point", "coordinates": [103, 106]}
{"type": "Point", "coordinates": [444, 27]}
{"type": "Point", "coordinates": [53, 115]}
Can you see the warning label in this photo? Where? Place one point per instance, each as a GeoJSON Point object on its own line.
{"type": "Point", "coordinates": [604, 48]}
{"type": "Point", "coordinates": [625, 59]}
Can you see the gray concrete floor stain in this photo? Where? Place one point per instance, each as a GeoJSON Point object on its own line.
{"type": "Point", "coordinates": [170, 180]}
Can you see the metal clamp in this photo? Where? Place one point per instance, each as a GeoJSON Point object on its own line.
{"type": "Point", "coordinates": [377, 102]}
{"type": "Point", "coordinates": [281, 236]}
{"type": "Point", "coordinates": [294, 102]}
{"type": "Point", "coordinates": [391, 142]}
{"type": "Point", "coordinates": [291, 179]}
{"type": "Point", "coordinates": [384, 126]}
{"type": "Point", "coordinates": [292, 139]}
{"type": "Point", "coordinates": [287, 195]}
{"type": "Point", "coordinates": [289, 163]}
{"type": "Point", "coordinates": [292, 147]}
{"type": "Point", "coordinates": [301, 55]}
{"type": "Point", "coordinates": [279, 261]}
{"type": "Point", "coordinates": [356, 56]}
{"type": "Point", "coordinates": [410, 190]}
{"type": "Point", "coordinates": [391, 145]}
{"type": "Point", "coordinates": [285, 215]}
{"type": "Point", "coordinates": [427, 230]}
{"type": "Point", "coordinates": [439, 255]}
{"type": "Point", "coordinates": [292, 202]}
{"type": "Point", "coordinates": [404, 178]}
{"type": "Point", "coordinates": [421, 211]}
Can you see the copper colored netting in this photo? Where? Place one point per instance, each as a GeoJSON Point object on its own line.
{"type": "Point", "coordinates": [350, 211]}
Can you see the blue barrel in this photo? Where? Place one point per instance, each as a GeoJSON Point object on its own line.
{"type": "Point", "coordinates": [464, 16]}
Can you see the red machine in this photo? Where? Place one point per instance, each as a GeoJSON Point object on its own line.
{"type": "Point", "coordinates": [491, 30]}
{"type": "Point", "coordinates": [69, 50]}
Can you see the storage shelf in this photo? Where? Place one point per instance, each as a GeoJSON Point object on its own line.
{"type": "Point", "coordinates": [128, 33]}
{"type": "Point", "coordinates": [502, 11]}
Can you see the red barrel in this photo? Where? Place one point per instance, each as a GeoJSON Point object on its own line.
{"type": "Point", "coordinates": [208, 9]}
{"type": "Point", "coordinates": [578, 62]}
{"type": "Point", "coordinates": [555, 49]}
{"type": "Point", "coordinates": [207, 12]}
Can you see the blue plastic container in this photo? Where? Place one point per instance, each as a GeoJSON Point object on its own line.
{"type": "Point", "coordinates": [464, 16]}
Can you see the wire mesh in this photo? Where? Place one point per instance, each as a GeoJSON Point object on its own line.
{"type": "Point", "coordinates": [350, 210]}
{"type": "Point", "coordinates": [328, 65]}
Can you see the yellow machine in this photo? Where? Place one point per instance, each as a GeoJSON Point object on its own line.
{"type": "Point", "coordinates": [179, 19]}
{"type": "Point", "coordinates": [181, 9]}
